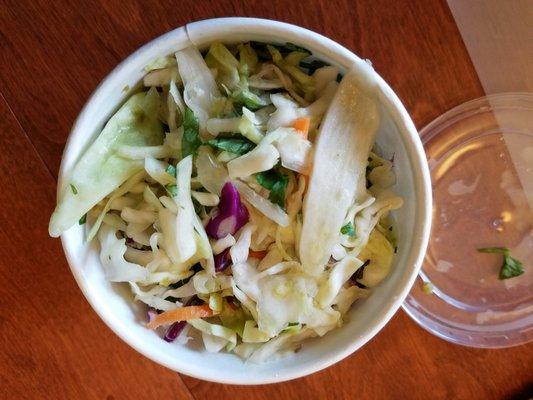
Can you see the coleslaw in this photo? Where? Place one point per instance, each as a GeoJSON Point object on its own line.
{"type": "Point", "coordinates": [240, 195]}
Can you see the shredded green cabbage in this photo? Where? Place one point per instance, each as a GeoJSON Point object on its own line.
{"type": "Point", "coordinates": [101, 170]}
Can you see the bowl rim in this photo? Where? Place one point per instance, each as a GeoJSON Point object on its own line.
{"type": "Point", "coordinates": [198, 31]}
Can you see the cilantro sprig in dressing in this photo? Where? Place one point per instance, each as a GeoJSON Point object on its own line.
{"type": "Point", "coordinates": [511, 267]}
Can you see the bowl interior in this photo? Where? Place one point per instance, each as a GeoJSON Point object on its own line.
{"type": "Point", "coordinates": [397, 135]}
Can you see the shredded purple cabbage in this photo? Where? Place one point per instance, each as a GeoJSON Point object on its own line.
{"type": "Point", "coordinates": [152, 312]}
{"type": "Point", "coordinates": [231, 216]}
{"type": "Point", "coordinates": [175, 329]}
{"type": "Point", "coordinates": [222, 261]}
{"type": "Point", "coordinates": [358, 275]}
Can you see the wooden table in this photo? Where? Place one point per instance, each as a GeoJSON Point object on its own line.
{"type": "Point", "coordinates": [53, 55]}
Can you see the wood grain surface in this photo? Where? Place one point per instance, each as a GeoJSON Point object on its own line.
{"type": "Point", "coordinates": [52, 56]}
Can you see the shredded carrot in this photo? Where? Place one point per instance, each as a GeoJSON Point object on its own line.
{"type": "Point", "coordinates": [257, 254]}
{"type": "Point", "coordinates": [307, 179]}
{"type": "Point", "coordinates": [302, 126]}
{"type": "Point", "coordinates": [180, 314]}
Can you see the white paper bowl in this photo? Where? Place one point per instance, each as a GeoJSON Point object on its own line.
{"type": "Point", "coordinates": [397, 135]}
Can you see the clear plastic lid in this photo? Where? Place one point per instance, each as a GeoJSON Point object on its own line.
{"type": "Point", "coordinates": [481, 160]}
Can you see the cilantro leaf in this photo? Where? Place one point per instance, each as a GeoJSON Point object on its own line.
{"type": "Point", "coordinates": [73, 188]}
{"type": "Point", "coordinates": [191, 134]}
{"type": "Point", "coordinates": [288, 47]}
{"type": "Point", "coordinates": [348, 229]}
{"type": "Point", "coordinates": [172, 190]}
{"type": "Point", "coordinates": [237, 145]}
{"type": "Point", "coordinates": [511, 267]}
{"type": "Point", "coordinates": [195, 268]}
{"type": "Point", "coordinates": [263, 54]}
{"type": "Point", "coordinates": [83, 219]}
{"type": "Point", "coordinates": [294, 47]}
{"type": "Point", "coordinates": [276, 182]}
{"type": "Point", "coordinates": [244, 97]}
{"type": "Point", "coordinates": [198, 208]}
{"type": "Point", "coordinates": [171, 170]}
{"type": "Point", "coordinates": [312, 65]}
